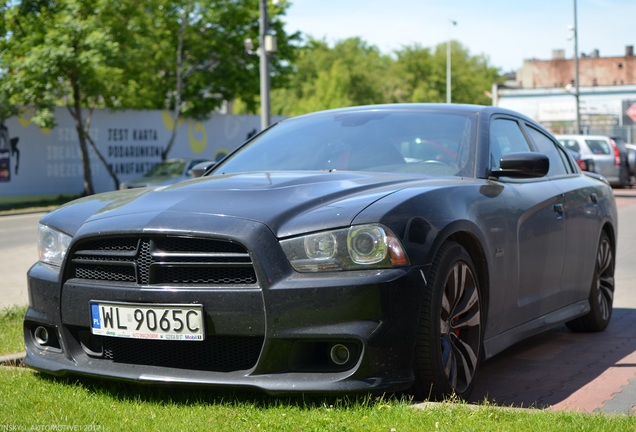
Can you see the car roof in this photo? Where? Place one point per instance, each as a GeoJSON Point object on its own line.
{"type": "Point", "coordinates": [441, 107]}
{"type": "Point", "coordinates": [575, 136]}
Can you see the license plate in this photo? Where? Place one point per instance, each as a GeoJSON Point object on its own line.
{"type": "Point", "coordinates": [144, 321]}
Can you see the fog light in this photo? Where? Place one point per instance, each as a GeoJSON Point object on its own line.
{"type": "Point", "coordinates": [41, 335]}
{"type": "Point", "coordinates": [339, 354]}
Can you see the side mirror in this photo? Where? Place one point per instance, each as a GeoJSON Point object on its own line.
{"type": "Point", "coordinates": [199, 169]}
{"type": "Point", "coordinates": [522, 165]}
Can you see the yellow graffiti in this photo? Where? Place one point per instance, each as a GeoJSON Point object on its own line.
{"type": "Point", "coordinates": [168, 122]}
{"type": "Point", "coordinates": [24, 118]}
{"type": "Point", "coordinates": [200, 142]}
{"type": "Point", "coordinates": [197, 135]}
{"type": "Point", "coordinates": [220, 154]}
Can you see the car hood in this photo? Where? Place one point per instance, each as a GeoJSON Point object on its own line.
{"type": "Point", "coordinates": [288, 203]}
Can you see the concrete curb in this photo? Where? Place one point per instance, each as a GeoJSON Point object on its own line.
{"type": "Point", "coordinates": [12, 360]}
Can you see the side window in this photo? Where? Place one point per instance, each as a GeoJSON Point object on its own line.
{"type": "Point", "coordinates": [505, 137]}
{"type": "Point", "coordinates": [568, 160]}
{"type": "Point", "coordinates": [548, 147]}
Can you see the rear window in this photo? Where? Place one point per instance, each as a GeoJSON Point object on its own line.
{"type": "Point", "coordinates": [599, 147]}
{"type": "Point", "coordinates": [570, 144]}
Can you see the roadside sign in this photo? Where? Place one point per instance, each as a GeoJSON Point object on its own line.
{"type": "Point", "coordinates": [631, 112]}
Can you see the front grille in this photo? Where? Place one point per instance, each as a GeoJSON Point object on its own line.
{"type": "Point", "coordinates": [162, 260]}
{"type": "Point", "coordinates": [215, 353]}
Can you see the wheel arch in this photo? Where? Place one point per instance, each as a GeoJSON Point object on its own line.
{"type": "Point", "coordinates": [609, 229]}
{"type": "Point", "coordinates": [474, 248]}
{"type": "Point", "coordinates": [467, 235]}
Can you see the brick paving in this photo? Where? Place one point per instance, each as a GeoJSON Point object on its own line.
{"type": "Point", "coordinates": [561, 370]}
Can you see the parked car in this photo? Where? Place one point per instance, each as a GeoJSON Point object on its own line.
{"type": "Point", "coordinates": [164, 173]}
{"type": "Point", "coordinates": [584, 164]}
{"type": "Point", "coordinates": [621, 145]}
{"type": "Point", "coordinates": [603, 150]}
{"type": "Point", "coordinates": [631, 161]}
{"type": "Point", "coordinates": [367, 249]}
{"type": "Point", "coordinates": [199, 169]}
{"type": "Point", "coordinates": [626, 171]}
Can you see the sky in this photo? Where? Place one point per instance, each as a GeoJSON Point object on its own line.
{"type": "Point", "coordinates": [507, 32]}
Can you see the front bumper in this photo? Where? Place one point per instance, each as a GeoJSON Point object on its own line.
{"type": "Point", "coordinates": [276, 336]}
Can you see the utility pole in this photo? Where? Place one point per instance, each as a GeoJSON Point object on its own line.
{"type": "Point", "coordinates": [448, 61]}
{"type": "Point", "coordinates": [576, 71]}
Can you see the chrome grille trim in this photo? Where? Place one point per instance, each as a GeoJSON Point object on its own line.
{"type": "Point", "coordinates": [162, 260]}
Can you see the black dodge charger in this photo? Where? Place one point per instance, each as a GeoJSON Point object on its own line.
{"type": "Point", "coordinates": [366, 249]}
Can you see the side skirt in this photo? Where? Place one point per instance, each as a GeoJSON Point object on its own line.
{"type": "Point", "coordinates": [506, 339]}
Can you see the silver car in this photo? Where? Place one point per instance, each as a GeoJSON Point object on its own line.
{"type": "Point", "coordinates": [600, 149]}
{"type": "Point", "coordinates": [165, 173]}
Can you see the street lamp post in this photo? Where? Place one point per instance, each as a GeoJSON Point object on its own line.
{"type": "Point", "coordinates": [267, 45]}
{"type": "Point", "coordinates": [576, 72]}
{"type": "Point", "coordinates": [448, 61]}
{"type": "Point", "coordinates": [264, 65]}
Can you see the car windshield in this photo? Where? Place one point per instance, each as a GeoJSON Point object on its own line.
{"type": "Point", "coordinates": [399, 141]}
{"type": "Point", "coordinates": [167, 168]}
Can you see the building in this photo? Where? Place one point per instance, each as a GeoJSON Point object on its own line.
{"type": "Point", "coordinates": [594, 70]}
{"type": "Point", "coordinates": [545, 90]}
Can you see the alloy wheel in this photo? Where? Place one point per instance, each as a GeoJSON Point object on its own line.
{"type": "Point", "coordinates": [460, 327]}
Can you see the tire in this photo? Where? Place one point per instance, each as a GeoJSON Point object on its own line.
{"type": "Point", "coordinates": [631, 162]}
{"type": "Point", "coordinates": [450, 330]}
{"type": "Point", "coordinates": [601, 293]}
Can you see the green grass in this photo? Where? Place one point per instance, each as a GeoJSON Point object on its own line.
{"type": "Point", "coordinates": [30, 400]}
{"type": "Point", "coordinates": [11, 338]}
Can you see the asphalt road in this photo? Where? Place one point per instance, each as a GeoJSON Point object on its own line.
{"type": "Point", "coordinates": [557, 370]}
{"type": "Point", "coordinates": [18, 251]}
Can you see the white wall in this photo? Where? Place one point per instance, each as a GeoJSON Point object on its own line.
{"type": "Point", "coordinates": [47, 163]}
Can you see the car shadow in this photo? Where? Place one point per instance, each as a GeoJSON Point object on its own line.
{"type": "Point", "coordinates": [539, 372]}
{"type": "Point", "coordinates": [546, 369]}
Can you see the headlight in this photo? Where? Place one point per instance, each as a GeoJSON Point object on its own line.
{"type": "Point", "coordinates": [355, 248]}
{"type": "Point", "coordinates": [52, 245]}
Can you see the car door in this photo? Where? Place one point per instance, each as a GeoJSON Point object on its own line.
{"type": "Point", "coordinates": [581, 214]}
{"type": "Point", "coordinates": [536, 232]}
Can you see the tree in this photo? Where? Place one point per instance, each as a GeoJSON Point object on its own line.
{"type": "Point", "coordinates": [350, 73]}
{"type": "Point", "coordinates": [68, 53]}
{"type": "Point", "coordinates": [184, 55]}
{"type": "Point", "coordinates": [202, 61]}
{"type": "Point", "coordinates": [420, 75]}
{"type": "Point", "coordinates": [415, 76]}
{"type": "Point", "coordinates": [472, 76]}
{"type": "Point", "coordinates": [354, 73]}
